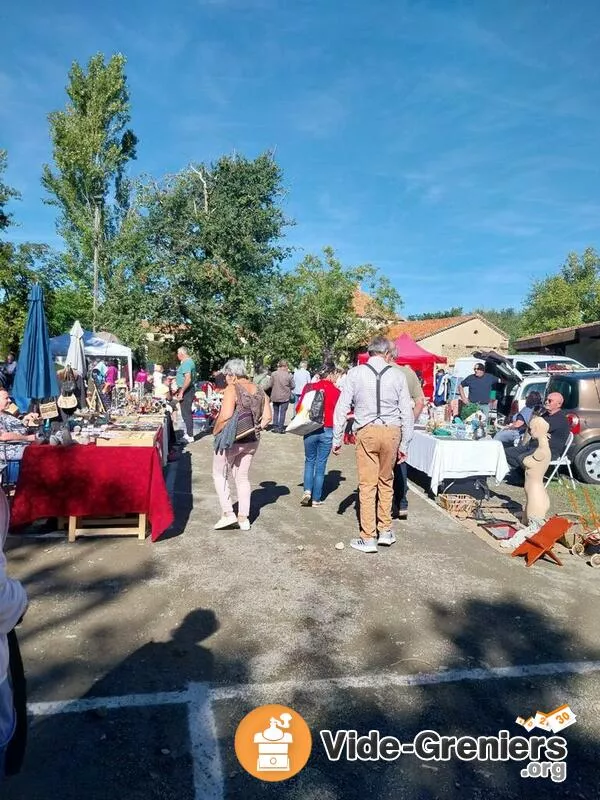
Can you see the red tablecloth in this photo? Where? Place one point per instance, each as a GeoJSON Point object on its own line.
{"type": "Point", "coordinates": [86, 480]}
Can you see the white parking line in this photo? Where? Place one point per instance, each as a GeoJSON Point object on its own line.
{"type": "Point", "coordinates": [204, 745]}
{"type": "Point", "coordinates": [199, 699]}
{"type": "Point", "coordinates": [378, 680]}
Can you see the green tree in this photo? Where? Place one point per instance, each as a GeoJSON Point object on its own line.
{"type": "Point", "coordinates": [312, 314]}
{"type": "Point", "coordinates": [455, 311]}
{"type": "Point", "coordinates": [571, 297]}
{"type": "Point", "coordinates": [198, 253]}
{"type": "Point", "coordinates": [91, 147]}
{"type": "Point", "coordinates": [20, 266]}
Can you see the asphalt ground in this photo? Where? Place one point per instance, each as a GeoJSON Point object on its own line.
{"type": "Point", "coordinates": [142, 658]}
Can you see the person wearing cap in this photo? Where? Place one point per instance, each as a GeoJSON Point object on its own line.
{"type": "Point", "coordinates": [480, 385]}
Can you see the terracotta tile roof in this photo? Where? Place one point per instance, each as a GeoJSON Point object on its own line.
{"type": "Point", "coordinates": [422, 328]}
{"type": "Point", "coordinates": [360, 301]}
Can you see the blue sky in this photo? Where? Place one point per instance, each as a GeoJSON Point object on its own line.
{"type": "Point", "coordinates": [452, 144]}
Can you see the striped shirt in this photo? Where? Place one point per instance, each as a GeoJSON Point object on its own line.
{"type": "Point", "coordinates": [360, 391]}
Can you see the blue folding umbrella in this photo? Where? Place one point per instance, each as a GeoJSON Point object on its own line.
{"type": "Point", "coordinates": [35, 376]}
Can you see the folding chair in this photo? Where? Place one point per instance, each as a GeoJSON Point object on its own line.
{"type": "Point", "coordinates": [562, 461]}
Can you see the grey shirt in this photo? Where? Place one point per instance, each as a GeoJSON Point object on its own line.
{"type": "Point", "coordinates": [360, 391]}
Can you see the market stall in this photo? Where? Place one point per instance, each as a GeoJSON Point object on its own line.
{"type": "Point", "coordinates": [94, 347]}
{"type": "Point", "coordinates": [442, 458]}
{"type": "Point", "coordinates": [86, 481]}
{"type": "Point", "coordinates": [411, 354]}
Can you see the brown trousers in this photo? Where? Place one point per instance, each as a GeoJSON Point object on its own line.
{"type": "Point", "coordinates": [376, 454]}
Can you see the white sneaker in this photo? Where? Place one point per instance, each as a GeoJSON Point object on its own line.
{"type": "Point", "coordinates": [386, 538]}
{"type": "Point", "coordinates": [364, 545]}
{"type": "Point", "coordinates": [188, 439]}
{"type": "Point", "coordinates": [225, 522]}
{"type": "Point", "coordinates": [244, 524]}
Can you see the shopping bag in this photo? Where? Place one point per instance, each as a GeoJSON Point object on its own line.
{"type": "Point", "coordinates": [302, 422]}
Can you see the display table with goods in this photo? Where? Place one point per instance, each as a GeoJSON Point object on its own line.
{"type": "Point", "coordinates": [94, 488]}
{"type": "Point", "coordinates": [447, 455]}
{"type": "Point", "coordinates": [133, 430]}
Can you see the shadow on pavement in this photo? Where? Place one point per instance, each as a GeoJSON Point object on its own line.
{"type": "Point", "coordinates": [268, 492]}
{"type": "Point", "coordinates": [138, 753]}
{"type": "Point", "coordinates": [333, 479]}
{"type": "Point", "coordinates": [181, 497]}
{"type": "Point", "coordinates": [479, 634]}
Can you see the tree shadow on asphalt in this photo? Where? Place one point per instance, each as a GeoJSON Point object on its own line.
{"type": "Point", "coordinates": [138, 753]}
{"type": "Point", "coordinates": [479, 634]}
{"type": "Point", "coordinates": [72, 600]}
{"type": "Point", "coordinates": [268, 492]}
{"type": "Point", "coordinates": [182, 498]}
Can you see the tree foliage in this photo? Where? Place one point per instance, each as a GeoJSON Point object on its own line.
{"type": "Point", "coordinates": [20, 266]}
{"type": "Point", "coordinates": [91, 147]}
{"type": "Point", "coordinates": [312, 314]}
{"type": "Point", "coordinates": [455, 311]}
{"type": "Point", "coordinates": [197, 255]}
{"type": "Point", "coordinates": [571, 297]}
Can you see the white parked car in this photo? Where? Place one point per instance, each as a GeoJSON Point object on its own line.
{"type": "Point", "coordinates": [524, 363]}
{"type": "Point", "coordinates": [532, 362]}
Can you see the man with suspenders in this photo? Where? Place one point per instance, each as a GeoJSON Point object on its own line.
{"type": "Point", "coordinates": [384, 418]}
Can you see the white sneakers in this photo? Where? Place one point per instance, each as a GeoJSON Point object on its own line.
{"type": "Point", "coordinates": [386, 538]}
{"type": "Point", "coordinates": [225, 522]}
{"type": "Point", "coordinates": [364, 545]}
{"type": "Point", "coordinates": [188, 439]}
{"type": "Point", "coordinates": [232, 522]}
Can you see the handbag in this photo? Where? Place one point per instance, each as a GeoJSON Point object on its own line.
{"type": "Point", "coordinates": [245, 428]}
{"type": "Point", "coordinates": [67, 385]}
{"type": "Point", "coordinates": [67, 401]}
{"type": "Point", "coordinates": [246, 405]}
{"type": "Point", "coordinates": [303, 423]}
{"type": "Point", "coordinates": [48, 410]}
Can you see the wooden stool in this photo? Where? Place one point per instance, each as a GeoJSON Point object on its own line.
{"type": "Point", "coordinates": [542, 542]}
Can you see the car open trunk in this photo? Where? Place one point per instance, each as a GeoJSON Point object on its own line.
{"type": "Point", "coordinates": [508, 376]}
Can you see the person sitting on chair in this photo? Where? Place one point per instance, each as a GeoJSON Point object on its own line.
{"type": "Point", "coordinates": [509, 434]}
{"type": "Point", "coordinates": [14, 431]}
{"type": "Point", "coordinates": [559, 430]}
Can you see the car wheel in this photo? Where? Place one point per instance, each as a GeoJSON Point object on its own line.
{"type": "Point", "coordinates": [587, 463]}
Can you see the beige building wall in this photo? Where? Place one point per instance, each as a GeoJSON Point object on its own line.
{"type": "Point", "coordinates": [463, 339]}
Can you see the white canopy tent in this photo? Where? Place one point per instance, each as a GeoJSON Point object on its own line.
{"type": "Point", "coordinates": [93, 347]}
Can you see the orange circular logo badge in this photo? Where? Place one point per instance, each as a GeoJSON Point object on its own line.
{"type": "Point", "coordinates": [273, 743]}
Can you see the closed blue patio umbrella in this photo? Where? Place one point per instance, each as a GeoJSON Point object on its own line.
{"type": "Point", "coordinates": [35, 377]}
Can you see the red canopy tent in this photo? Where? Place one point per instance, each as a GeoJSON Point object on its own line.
{"type": "Point", "coordinates": [415, 356]}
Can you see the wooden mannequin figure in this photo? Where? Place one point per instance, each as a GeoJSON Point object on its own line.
{"type": "Point", "coordinates": [537, 502]}
{"type": "Point", "coordinates": [536, 466]}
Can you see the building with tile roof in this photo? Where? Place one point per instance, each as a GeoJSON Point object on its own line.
{"type": "Point", "coordinates": [453, 337]}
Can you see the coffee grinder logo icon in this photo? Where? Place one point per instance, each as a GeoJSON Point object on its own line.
{"type": "Point", "coordinates": [274, 745]}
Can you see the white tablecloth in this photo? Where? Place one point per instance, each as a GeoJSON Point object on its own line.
{"type": "Point", "coordinates": [440, 458]}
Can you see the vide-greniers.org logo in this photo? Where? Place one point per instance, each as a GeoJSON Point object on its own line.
{"type": "Point", "coordinates": [546, 754]}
